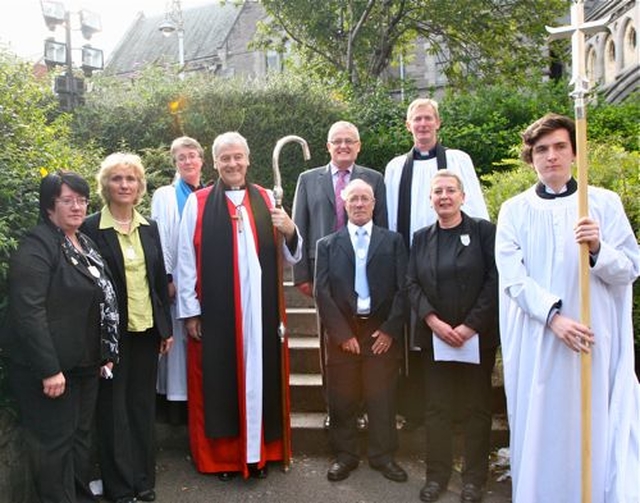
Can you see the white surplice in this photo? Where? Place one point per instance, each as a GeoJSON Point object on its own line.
{"type": "Point", "coordinates": [172, 367]}
{"type": "Point", "coordinates": [250, 280]}
{"type": "Point", "coordinates": [537, 259]}
{"type": "Point", "coordinates": [422, 214]}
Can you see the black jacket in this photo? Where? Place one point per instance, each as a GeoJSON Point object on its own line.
{"type": "Point", "coordinates": [54, 317]}
{"type": "Point", "coordinates": [334, 284]}
{"type": "Point", "coordinates": [109, 247]}
{"type": "Point", "coordinates": [476, 283]}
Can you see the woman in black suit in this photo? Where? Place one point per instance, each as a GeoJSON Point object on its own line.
{"type": "Point", "coordinates": [62, 327]}
{"type": "Point", "coordinates": [452, 286]}
{"type": "Point", "coordinates": [126, 405]}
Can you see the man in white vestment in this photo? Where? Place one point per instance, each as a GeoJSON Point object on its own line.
{"type": "Point", "coordinates": [537, 250]}
{"type": "Point", "coordinates": [408, 182]}
{"type": "Point", "coordinates": [228, 296]}
{"type": "Point", "coordinates": [166, 209]}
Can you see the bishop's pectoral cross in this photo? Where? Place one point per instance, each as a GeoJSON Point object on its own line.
{"type": "Point", "coordinates": [238, 218]}
{"type": "Point", "coordinates": [577, 30]}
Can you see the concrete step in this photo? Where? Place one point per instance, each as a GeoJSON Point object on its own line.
{"type": "Point", "coordinates": [306, 393]}
{"type": "Point", "coordinates": [304, 355]}
{"type": "Point", "coordinates": [302, 322]}
{"type": "Point", "coordinates": [293, 297]}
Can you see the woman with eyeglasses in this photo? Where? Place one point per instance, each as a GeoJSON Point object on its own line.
{"type": "Point", "coordinates": [131, 246]}
{"type": "Point", "coordinates": [452, 285]}
{"type": "Point", "coordinates": [62, 327]}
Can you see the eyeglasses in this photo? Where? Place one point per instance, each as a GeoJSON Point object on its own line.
{"type": "Point", "coordinates": [359, 199]}
{"type": "Point", "coordinates": [345, 141]}
{"type": "Point", "coordinates": [70, 201]}
{"type": "Point", "coordinates": [192, 156]}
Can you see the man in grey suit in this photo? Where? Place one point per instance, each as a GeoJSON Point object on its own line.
{"type": "Point", "coordinates": [318, 209]}
{"type": "Point", "coordinates": [359, 288]}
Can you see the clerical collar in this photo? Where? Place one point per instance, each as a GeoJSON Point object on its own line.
{"type": "Point", "coordinates": [228, 187]}
{"type": "Point", "coordinates": [570, 188]}
{"type": "Point", "coordinates": [420, 156]}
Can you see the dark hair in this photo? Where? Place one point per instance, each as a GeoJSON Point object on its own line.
{"type": "Point", "coordinates": [51, 187]}
{"type": "Point", "coordinates": [545, 125]}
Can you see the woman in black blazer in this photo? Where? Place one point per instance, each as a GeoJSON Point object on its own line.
{"type": "Point", "coordinates": [62, 327]}
{"type": "Point", "coordinates": [126, 405]}
{"type": "Point", "coordinates": [452, 286]}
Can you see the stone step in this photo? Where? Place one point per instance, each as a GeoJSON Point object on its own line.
{"type": "Point", "coordinates": [304, 355]}
{"type": "Point", "coordinates": [302, 322]}
{"type": "Point", "coordinates": [306, 393]}
{"type": "Point", "coordinates": [293, 297]}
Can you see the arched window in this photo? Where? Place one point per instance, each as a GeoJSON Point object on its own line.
{"type": "Point", "coordinates": [630, 46]}
{"type": "Point", "coordinates": [591, 66]}
{"type": "Point", "coordinates": [609, 61]}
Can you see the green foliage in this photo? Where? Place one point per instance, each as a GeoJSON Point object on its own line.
{"type": "Point", "coordinates": [356, 40]}
{"type": "Point", "coordinates": [610, 166]}
{"type": "Point", "coordinates": [146, 114]}
{"type": "Point", "coordinates": [34, 139]}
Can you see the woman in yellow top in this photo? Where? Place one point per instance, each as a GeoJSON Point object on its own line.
{"type": "Point", "coordinates": [130, 244]}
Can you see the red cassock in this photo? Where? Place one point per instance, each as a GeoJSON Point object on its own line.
{"type": "Point", "coordinates": [215, 452]}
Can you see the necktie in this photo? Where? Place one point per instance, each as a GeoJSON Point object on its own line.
{"type": "Point", "coordinates": [341, 183]}
{"type": "Point", "coordinates": [361, 283]}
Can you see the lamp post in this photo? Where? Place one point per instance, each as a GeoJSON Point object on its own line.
{"type": "Point", "coordinates": [70, 89]}
{"type": "Point", "coordinates": [173, 22]}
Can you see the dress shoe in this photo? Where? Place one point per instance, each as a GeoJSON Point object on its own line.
{"type": "Point", "coordinates": [392, 471]}
{"type": "Point", "coordinates": [430, 492]}
{"type": "Point", "coordinates": [470, 493]}
{"type": "Point", "coordinates": [340, 470]}
{"type": "Point", "coordinates": [258, 473]}
{"type": "Point", "coordinates": [148, 495]}
{"type": "Point", "coordinates": [226, 476]}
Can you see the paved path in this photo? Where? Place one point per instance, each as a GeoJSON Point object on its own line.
{"type": "Point", "coordinates": [306, 482]}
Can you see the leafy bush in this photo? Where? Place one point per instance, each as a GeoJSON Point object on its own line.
{"type": "Point", "coordinates": [146, 114]}
{"type": "Point", "coordinates": [34, 139]}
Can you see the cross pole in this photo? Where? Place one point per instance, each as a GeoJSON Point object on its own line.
{"type": "Point", "coordinates": [577, 31]}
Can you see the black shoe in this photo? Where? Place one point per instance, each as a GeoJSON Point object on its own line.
{"type": "Point", "coordinates": [470, 493]}
{"type": "Point", "coordinates": [226, 476]}
{"type": "Point", "coordinates": [430, 492]}
{"type": "Point", "coordinates": [340, 470]}
{"type": "Point", "coordinates": [258, 473]}
{"type": "Point", "coordinates": [148, 495]}
{"type": "Point", "coordinates": [392, 471]}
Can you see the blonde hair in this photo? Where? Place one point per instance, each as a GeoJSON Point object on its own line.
{"type": "Point", "coordinates": [186, 142]}
{"type": "Point", "coordinates": [445, 173]}
{"type": "Point", "coordinates": [114, 161]}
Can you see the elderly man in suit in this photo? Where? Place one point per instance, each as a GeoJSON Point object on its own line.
{"type": "Point", "coordinates": [318, 208]}
{"type": "Point", "coordinates": [359, 282]}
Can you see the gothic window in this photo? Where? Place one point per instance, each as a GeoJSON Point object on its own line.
{"type": "Point", "coordinates": [591, 66]}
{"type": "Point", "coordinates": [609, 61]}
{"type": "Point", "coordinates": [630, 49]}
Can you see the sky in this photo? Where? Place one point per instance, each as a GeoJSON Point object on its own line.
{"type": "Point", "coordinates": [23, 31]}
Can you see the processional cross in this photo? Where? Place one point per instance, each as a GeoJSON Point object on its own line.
{"type": "Point", "coordinates": [577, 31]}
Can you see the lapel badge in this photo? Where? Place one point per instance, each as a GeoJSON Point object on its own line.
{"type": "Point", "coordinates": [465, 239]}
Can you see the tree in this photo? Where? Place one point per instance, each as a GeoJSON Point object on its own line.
{"type": "Point", "coordinates": [356, 40]}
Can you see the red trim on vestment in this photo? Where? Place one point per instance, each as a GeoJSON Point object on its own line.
{"type": "Point", "coordinates": [222, 454]}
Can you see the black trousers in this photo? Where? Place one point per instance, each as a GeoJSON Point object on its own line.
{"type": "Point", "coordinates": [126, 418]}
{"type": "Point", "coordinates": [57, 433]}
{"type": "Point", "coordinates": [370, 380]}
{"type": "Point", "coordinates": [464, 390]}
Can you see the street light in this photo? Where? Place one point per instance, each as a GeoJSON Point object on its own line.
{"type": "Point", "coordinates": [70, 89]}
{"type": "Point", "coordinates": [173, 22]}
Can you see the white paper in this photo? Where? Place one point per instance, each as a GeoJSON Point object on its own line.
{"type": "Point", "coordinates": [469, 352]}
